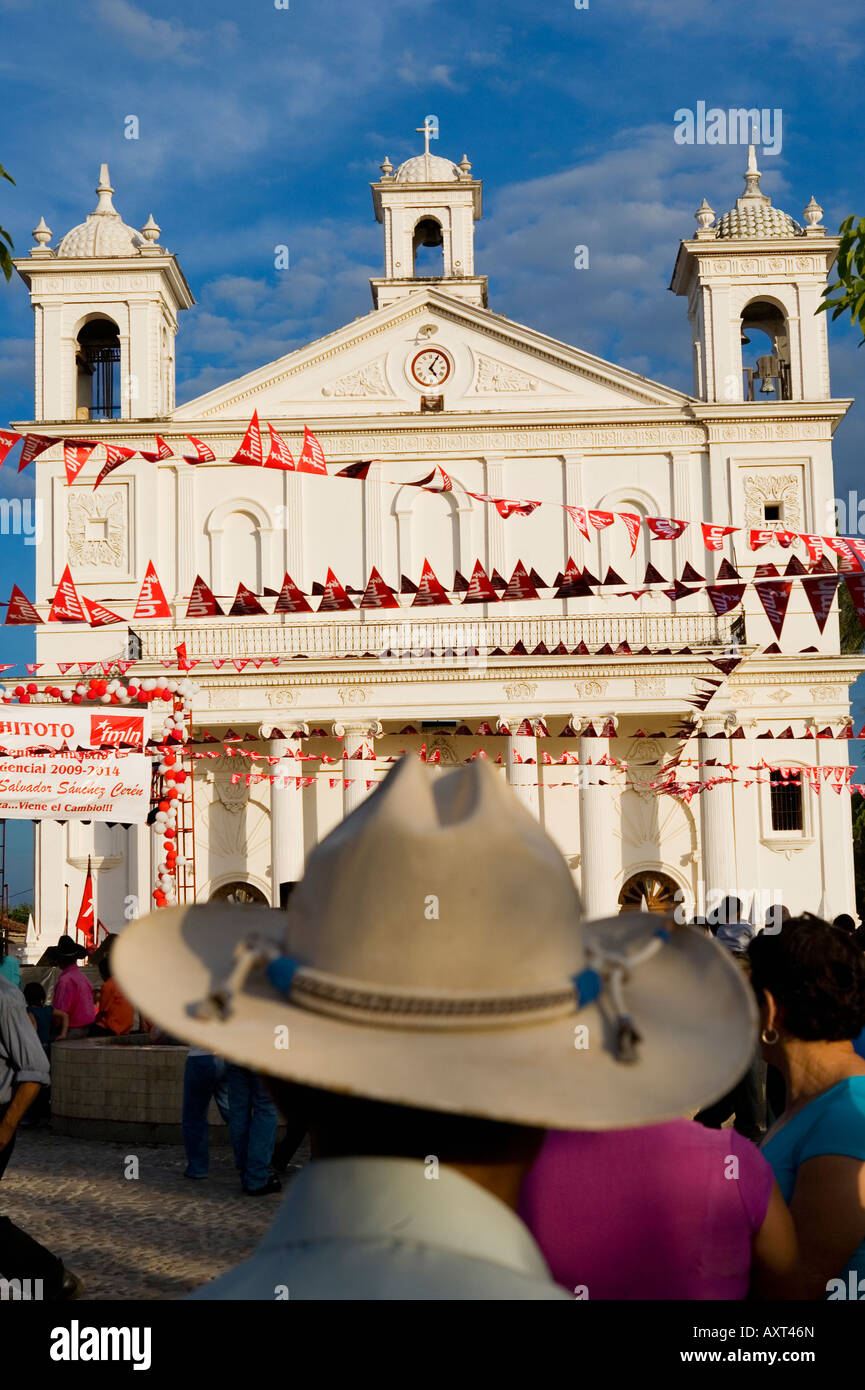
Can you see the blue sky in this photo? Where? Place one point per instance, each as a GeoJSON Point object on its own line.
{"type": "Point", "coordinates": [261, 126]}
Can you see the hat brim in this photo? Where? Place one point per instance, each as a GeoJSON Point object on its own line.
{"type": "Point", "coordinates": [690, 1003]}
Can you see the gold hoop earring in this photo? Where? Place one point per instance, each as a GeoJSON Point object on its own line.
{"type": "Point", "coordinates": [770, 1042]}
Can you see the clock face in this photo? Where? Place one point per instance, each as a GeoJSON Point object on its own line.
{"type": "Point", "coordinates": [431, 367]}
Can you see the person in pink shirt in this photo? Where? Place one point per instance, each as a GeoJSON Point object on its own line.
{"type": "Point", "coordinates": [667, 1211]}
{"type": "Point", "coordinates": [73, 993]}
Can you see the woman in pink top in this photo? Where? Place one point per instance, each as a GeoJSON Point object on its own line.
{"type": "Point", "coordinates": [73, 993]}
{"type": "Point", "coordinates": [669, 1211]}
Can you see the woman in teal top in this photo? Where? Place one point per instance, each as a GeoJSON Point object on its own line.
{"type": "Point", "coordinates": [810, 983]}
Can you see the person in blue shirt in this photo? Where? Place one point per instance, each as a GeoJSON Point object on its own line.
{"type": "Point", "coordinates": [810, 984]}
{"type": "Point", "coordinates": [10, 968]}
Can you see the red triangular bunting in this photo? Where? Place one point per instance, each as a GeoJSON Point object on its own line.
{"type": "Point", "coordinates": [480, 588]}
{"type": "Point", "coordinates": [632, 522]}
{"type": "Point", "coordinates": [34, 445]}
{"type": "Point", "coordinates": [856, 588]}
{"type": "Point", "coordinates": [774, 595]}
{"type": "Point", "coordinates": [723, 600]}
{"type": "Point", "coordinates": [520, 585]}
{"type": "Point", "coordinates": [21, 610]}
{"type": "Point", "coordinates": [665, 528]}
{"type": "Point", "coordinates": [429, 591]}
{"type": "Point", "coordinates": [152, 602]}
{"type": "Point", "coordinates": [356, 470]}
{"type": "Point", "coordinates": [690, 575]}
{"type": "Point", "coordinates": [611, 578]}
{"type": "Point", "coordinates": [162, 451]}
{"type": "Point", "coordinates": [573, 583]}
{"type": "Point", "coordinates": [312, 458]}
{"type": "Point", "coordinates": [203, 452]}
{"type": "Point", "coordinates": [291, 598]}
{"type": "Point", "coordinates": [202, 601]}
{"type": "Point", "coordinates": [245, 603]}
{"type": "Point", "coordinates": [335, 598]}
{"type": "Point", "coordinates": [115, 455]}
{"type": "Point", "coordinates": [102, 617]}
{"type": "Point", "coordinates": [8, 440]}
{"type": "Point", "coordinates": [280, 455]}
{"type": "Point", "coordinates": [727, 571]}
{"type": "Point", "coordinates": [377, 594]}
{"type": "Point", "coordinates": [251, 450]}
{"type": "Point", "coordinates": [66, 606]}
{"type": "Point", "coordinates": [653, 576]}
{"type": "Point", "coordinates": [713, 536]}
{"type": "Point", "coordinates": [76, 452]}
{"type": "Point", "coordinates": [580, 519]}
{"type": "Point", "coordinates": [460, 584]}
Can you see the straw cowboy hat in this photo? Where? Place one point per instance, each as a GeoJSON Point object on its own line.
{"type": "Point", "coordinates": [434, 955]}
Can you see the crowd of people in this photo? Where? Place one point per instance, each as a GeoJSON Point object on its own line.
{"type": "Point", "coordinates": [503, 1100]}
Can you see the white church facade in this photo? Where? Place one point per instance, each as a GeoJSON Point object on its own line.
{"type": "Point", "coordinates": [434, 378]}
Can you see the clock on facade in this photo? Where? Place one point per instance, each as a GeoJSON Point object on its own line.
{"type": "Point", "coordinates": [431, 367]}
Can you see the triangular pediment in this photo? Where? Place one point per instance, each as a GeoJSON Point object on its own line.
{"type": "Point", "coordinates": [383, 363]}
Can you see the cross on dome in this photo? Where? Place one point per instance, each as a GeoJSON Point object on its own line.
{"type": "Point", "coordinates": [427, 130]}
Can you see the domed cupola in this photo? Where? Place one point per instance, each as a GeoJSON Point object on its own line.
{"type": "Point", "coordinates": [428, 208]}
{"type": "Point", "coordinates": [103, 233]}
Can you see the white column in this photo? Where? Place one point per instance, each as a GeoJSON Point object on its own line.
{"type": "Point", "coordinates": [522, 775]}
{"type": "Point", "coordinates": [139, 872]}
{"type": "Point", "coordinates": [597, 859]}
{"type": "Point", "coordinates": [286, 812]}
{"type": "Point", "coordinates": [717, 823]}
{"type": "Point", "coordinates": [356, 774]}
{"type": "Point", "coordinates": [49, 910]}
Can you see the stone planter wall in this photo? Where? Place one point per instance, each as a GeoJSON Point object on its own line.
{"type": "Point", "coordinates": [121, 1089]}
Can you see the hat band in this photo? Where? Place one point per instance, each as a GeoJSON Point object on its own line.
{"type": "Point", "coordinates": [323, 994]}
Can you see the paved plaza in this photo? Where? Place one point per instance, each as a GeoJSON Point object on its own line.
{"type": "Point", "coordinates": [153, 1237]}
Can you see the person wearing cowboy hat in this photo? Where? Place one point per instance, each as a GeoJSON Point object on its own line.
{"type": "Point", "coordinates": [73, 993]}
{"type": "Point", "coordinates": [433, 1002]}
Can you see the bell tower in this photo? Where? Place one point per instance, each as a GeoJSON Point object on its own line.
{"type": "Point", "coordinates": [105, 304]}
{"type": "Point", "coordinates": [428, 202]}
{"type": "Point", "coordinates": [754, 280]}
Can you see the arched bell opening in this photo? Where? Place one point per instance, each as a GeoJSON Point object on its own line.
{"type": "Point", "coordinates": [765, 352]}
{"type": "Point", "coordinates": [97, 361]}
{"type": "Point", "coordinates": [428, 250]}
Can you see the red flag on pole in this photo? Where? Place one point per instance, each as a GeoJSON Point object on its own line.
{"type": "Point", "coordinates": [430, 590]}
{"type": "Point", "coordinates": [251, 449]}
{"type": "Point", "coordinates": [280, 455]}
{"type": "Point", "coordinates": [101, 617]}
{"type": "Point", "coordinates": [312, 458]}
{"type": "Point", "coordinates": [377, 593]}
{"type": "Point", "coordinates": [21, 610]}
{"type": "Point", "coordinates": [67, 606]}
{"type": "Point", "coordinates": [76, 452]}
{"type": "Point", "coordinates": [291, 599]}
{"type": "Point", "coordinates": [202, 601]}
{"type": "Point", "coordinates": [152, 602]}
{"type": "Point", "coordinates": [162, 451]}
{"type": "Point", "coordinates": [85, 921]}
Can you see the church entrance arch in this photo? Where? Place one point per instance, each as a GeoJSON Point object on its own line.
{"type": "Point", "coordinates": [239, 892]}
{"type": "Point", "coordinates": [660, 892]}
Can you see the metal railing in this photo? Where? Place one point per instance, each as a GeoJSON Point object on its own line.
{"type": "Point", "coordinates": [323, 639]}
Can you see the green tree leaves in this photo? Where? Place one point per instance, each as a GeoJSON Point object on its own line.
{"type": "Point", "coordinates": [850, 269]}
{"type": "Point", "coordinates": [5, 257]}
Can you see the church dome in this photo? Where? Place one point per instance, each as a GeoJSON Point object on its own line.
{"type": "Point", "coordinates": [104, 233]}
{"type": "Point", "coordinates": [758, 222]}
{"type": "Point", "coordinates": [753, 215]}
{"type": "Point", "coordinates": [427, 168]}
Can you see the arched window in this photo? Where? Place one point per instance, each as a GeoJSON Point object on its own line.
{"type": "Point", "coordinates": [241, 552]}
{"type": "Point", "coordinates": [428, 249]}
{"type": "Point", "coordinates": [765, 353]}
{"type": "Point", "coordinates": [97, 360]}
